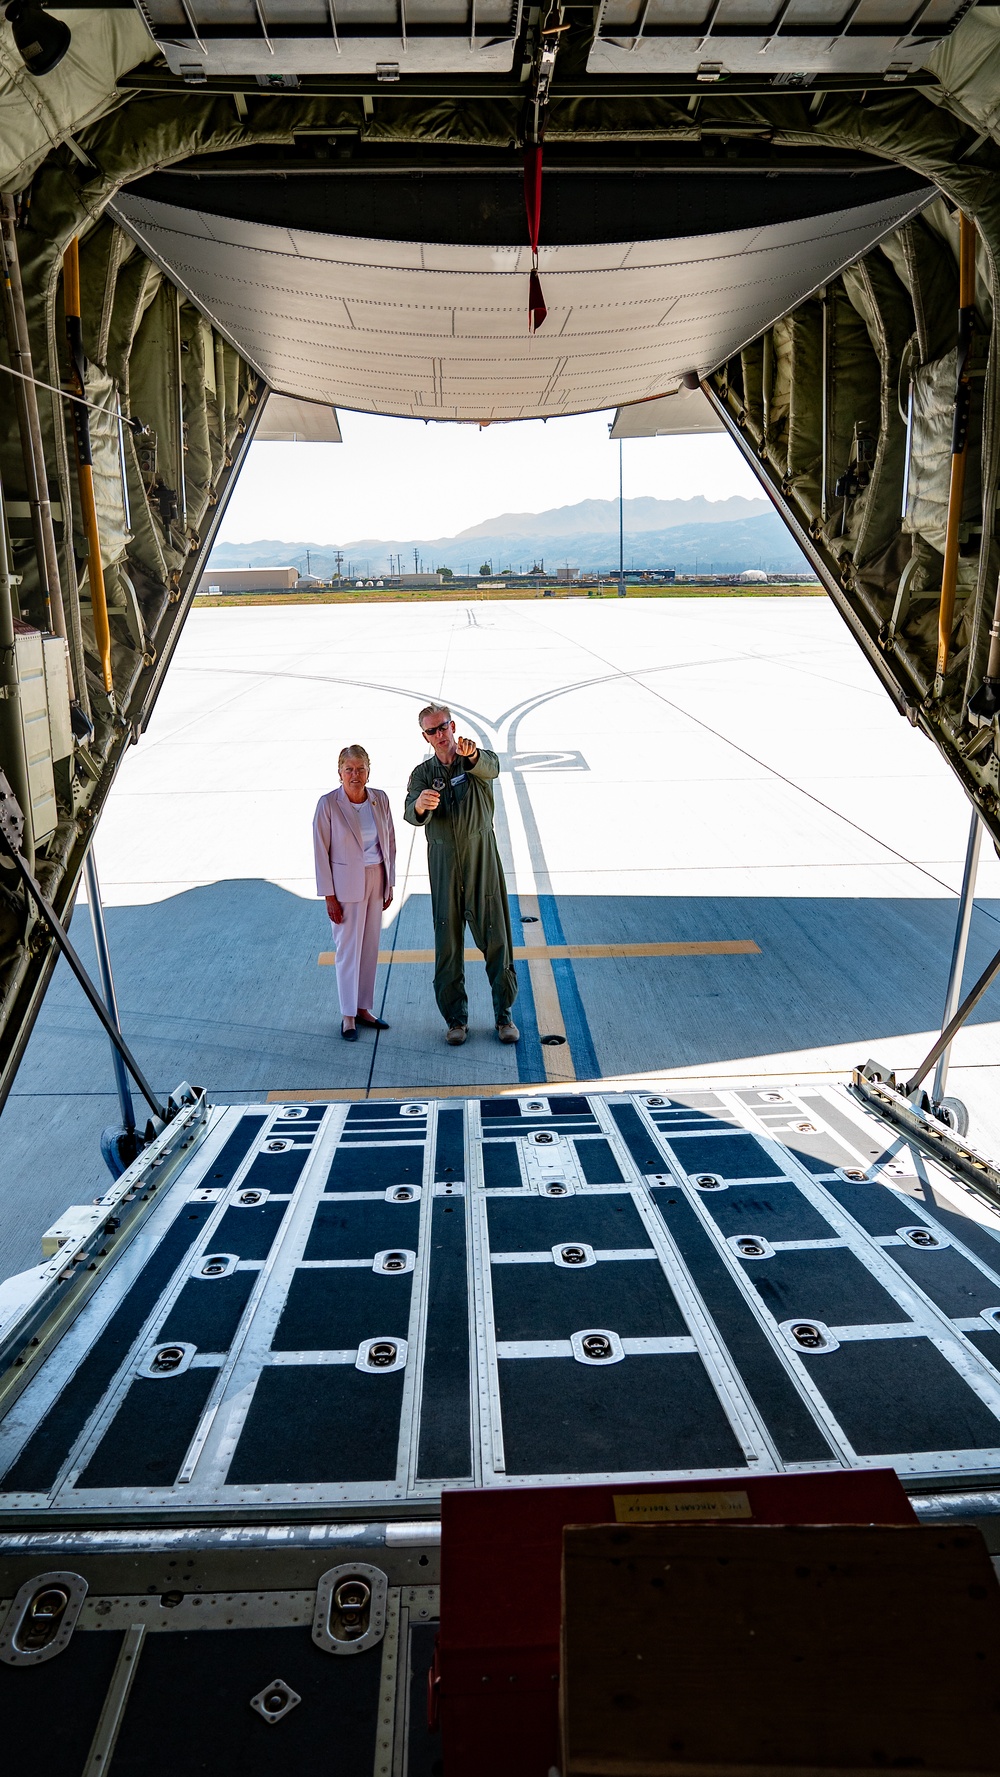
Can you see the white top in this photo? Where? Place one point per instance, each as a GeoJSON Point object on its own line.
{"type": "Point", "coordinates": [369, 832]}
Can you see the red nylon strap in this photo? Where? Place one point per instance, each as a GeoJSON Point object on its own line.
{"type": "Point", "coordinates": [434, 1690]}
{"type": "Point", "coordinates": [533, 208]}
{"type": "Point", "coordinates": [533, 193]}
{"type": "Point", "coordinates": [536, 303]}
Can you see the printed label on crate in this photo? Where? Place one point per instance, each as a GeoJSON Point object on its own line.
{"type": "Point", "coordinates": [662, 1508]}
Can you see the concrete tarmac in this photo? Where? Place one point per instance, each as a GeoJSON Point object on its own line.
{"type": "Point", "coordinates": [728, 856]}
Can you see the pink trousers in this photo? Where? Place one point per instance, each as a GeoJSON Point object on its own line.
{"type": "Point", "coordinates": [356, 943]}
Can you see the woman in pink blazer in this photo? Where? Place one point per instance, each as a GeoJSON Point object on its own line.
{"type": "Point", "coordinates": [355, 846]}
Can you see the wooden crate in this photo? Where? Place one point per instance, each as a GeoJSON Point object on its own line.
{"type": "Point", "coordinates": [722, 1650]}
{"type": "Point", "coordinates": [501, 1569]}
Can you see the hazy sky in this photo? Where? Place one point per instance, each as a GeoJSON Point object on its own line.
{"type": "Point", "coordinates": [404, 479]}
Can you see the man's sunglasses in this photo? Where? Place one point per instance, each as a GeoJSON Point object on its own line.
{"type": "Point", "coordinates": [430, 732]}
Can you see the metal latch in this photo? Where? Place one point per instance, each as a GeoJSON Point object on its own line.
{"type": "Point", "coordinates": [217, 1265]}
{"type": "Point", "coordinates": [42, 1618]}
{"type": "Point", "coordinates": [350, 1609]}
{"type": "Point", "coordinates": [710, 1181]}
{"type": "Point", "coordinates": [576, 1254]}
{"type": "Point", "coordinates": [403, 1194]}
{"type": "Point", "coordinates": [383, 1355]}
{"type": "Point", "coordinates": [811, 1336]}
{"type": "Point", "coordinates": [395, 1259]}
{"type": "Point", "coordinates": [750, 1246]}
{"type": "Point", "coordinates": [596, 1345]}
{"type": "Point", "coordinates": [251, 1199]}
{"type": "Point", "coordinates": [555, 1187]}
{"type": "Point", "coordinates": [921, 1236]}
{"type": "Point", "coordinates": [167, 1360]}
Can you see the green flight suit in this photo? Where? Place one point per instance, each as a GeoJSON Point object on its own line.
{"type": "Point", "coordinates": [466, 881]}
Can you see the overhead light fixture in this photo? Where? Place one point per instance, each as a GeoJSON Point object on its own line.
{"type": "Point", "coordinates": [40, 39]}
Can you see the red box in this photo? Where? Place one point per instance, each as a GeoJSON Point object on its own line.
{"type": "Point", "coordinates": [497, 1671]}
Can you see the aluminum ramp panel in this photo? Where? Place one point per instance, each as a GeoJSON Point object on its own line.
{"type": "Point", "coordinates": [347, 1307]}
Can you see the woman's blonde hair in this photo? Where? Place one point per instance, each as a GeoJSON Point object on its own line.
{"type": "Point", "coordinates": [353, 753]}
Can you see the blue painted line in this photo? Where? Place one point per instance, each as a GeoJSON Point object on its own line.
{"type": "Point", "coordinates": [530, 1060]}
{"type": "Point", "coordinates": [574, 1017]}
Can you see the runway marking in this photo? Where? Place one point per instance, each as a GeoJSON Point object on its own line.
{"type": "Point", "coordinates": [560, 1068]}
{"type": "Point", "coordinates": [582, 952]}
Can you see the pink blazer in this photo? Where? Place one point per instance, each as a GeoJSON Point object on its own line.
{"type": "Point", "coordinates": [338, 845]}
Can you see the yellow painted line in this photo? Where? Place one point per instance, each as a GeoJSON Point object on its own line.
{"type": "Point", "coordinates": [557, 1058]}
{"type": "Point", "coordinates": [539, 956]}
{"type": "Point", "coordinates": [349, 1094]}
{"type": "Point", "coordinates": [582, 952]}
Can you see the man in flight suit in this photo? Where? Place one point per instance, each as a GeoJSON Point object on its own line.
{"type": "Point", "coordinates": [451, 795]}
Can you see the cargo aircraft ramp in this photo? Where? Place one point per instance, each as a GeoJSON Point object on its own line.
{"type": "Point", "coordinates": [234, 1395]}
{"type": "Point", "coordinates": [340, 1308]}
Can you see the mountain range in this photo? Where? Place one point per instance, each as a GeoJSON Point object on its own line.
{"type": "Point", "coordinates": [722, 536]}
{"type": "Point", "coordinates": [590, 516]}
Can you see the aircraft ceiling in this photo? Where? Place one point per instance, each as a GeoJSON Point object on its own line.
{"type": "Point", "coordinates": [434, 330]}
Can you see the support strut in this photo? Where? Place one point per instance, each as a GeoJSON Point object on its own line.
{"type": "Point", "coordinates": [947, 1037]}
{"type": "Point", "coordinates": [11, 828]}
{"type": "Point", "coordinates": [967, 901]}
{"type": "Point", "coordinates": [119, 1146]}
